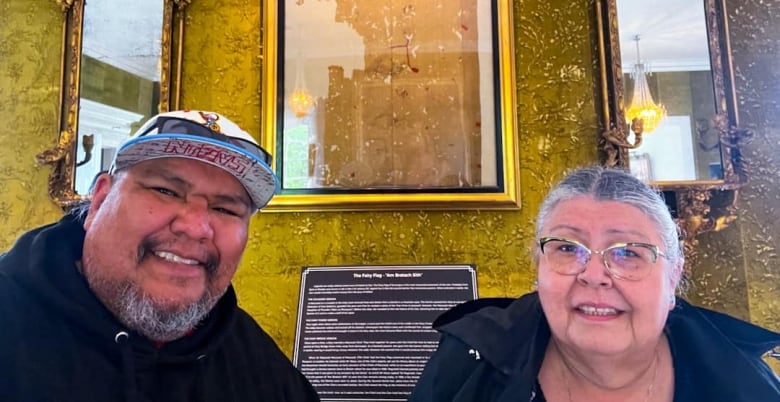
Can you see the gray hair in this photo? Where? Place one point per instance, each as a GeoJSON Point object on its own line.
{"type": "Point", "coordinates": [81, 208]}
{"type": "Point", "coordinates": [605, 184]}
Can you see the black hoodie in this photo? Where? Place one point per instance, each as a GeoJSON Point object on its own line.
{"type": "Point", "coordinates": [59, 343]}
{"type": "Point", "coordinates": [492, 349]}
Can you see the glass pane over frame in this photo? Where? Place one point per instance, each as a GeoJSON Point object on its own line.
{"type": "Point", "coordinates": [403, 105]}
{"type": "Point", "coordinates": [119, 83]}
{"type": "Point", "coordinates": [670, 57]}
{"type": "Point", "coordinates": [693, 78]}
{"type": "Point", "coordinates": [92, 113]}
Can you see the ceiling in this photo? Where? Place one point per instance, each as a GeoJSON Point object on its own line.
{"type": "Point", "coordinates": [673, 34]}
{"type": "Point", "coordinates": [126, 34]}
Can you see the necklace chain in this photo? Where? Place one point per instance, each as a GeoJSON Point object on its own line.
{"type": "Point", "coordinates": [649, 387]}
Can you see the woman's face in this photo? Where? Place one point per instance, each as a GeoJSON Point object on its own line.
{"type": "Point", "coordinates": [593, 312]}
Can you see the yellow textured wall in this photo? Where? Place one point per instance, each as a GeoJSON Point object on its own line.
{"type": "Point", "coordinates": [755, 40]}
{"type": "Point", "coordinates": [30, 33]}
{"type": "Point", "coordinates": [555, 78]}
{"type": "Point", "coordinates": [558, 125]}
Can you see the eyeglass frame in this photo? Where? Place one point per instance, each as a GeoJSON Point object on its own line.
{"type": "Point", "coordinates": [248, 146]}
{"type": "Point", "coordinates": [652, 247]}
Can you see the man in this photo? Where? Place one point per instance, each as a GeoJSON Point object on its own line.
{"type": "Point", "coordinates": [130, 298]}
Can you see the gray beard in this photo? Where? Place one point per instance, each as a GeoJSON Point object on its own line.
{"type": "Point", "coordinates": [142, 314]}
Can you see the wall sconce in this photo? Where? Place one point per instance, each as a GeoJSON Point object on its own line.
{"type": "Point", "coordinates": [87, 143]}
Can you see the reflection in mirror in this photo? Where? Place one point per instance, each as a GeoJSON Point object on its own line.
{"type": "Point", "coordinates": [378, 97]}
{"type": "Point", "coordinates": [117, 70]}
{"type": "Point", "coordinates": [668, 86]}
{"type": "Point", "coordinates": [120, 78]}
{"type": "Point", "coordinates": [687, 140]}
{"type": "Point", "coordinates": [377, 105]}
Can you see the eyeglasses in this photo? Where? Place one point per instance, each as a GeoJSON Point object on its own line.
{"type": "Point", "coordinates": [172, 125]}
{"type": "Point", "coordinates": [629, 261]}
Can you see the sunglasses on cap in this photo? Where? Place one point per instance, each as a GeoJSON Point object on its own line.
{"type": "Point", "coordinates": [173, 125]}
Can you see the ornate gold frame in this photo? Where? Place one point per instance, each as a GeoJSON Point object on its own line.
{"type": "Point", "coordinates": [62, 156]}
{"type": "Point", "coordinates": [507, 198]}
{"type": "Point", "coordinates": [702, 205]}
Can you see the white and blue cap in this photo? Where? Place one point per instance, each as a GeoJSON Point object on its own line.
{"type": "Point", "coordinates": [207, 137]}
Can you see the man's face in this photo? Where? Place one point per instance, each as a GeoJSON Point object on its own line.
{"type": "Point", "coordinates": [166, 235]}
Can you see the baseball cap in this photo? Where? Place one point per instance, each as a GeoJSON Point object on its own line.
{"type": "Point", "coordinates": [207, 137]}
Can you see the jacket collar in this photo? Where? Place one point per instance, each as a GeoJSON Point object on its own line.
{"type": "Point", "coordinates": [513, 333]}
{"type": "Point", "coordinates": [502, 330]}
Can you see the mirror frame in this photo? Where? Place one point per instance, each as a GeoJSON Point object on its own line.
{"type": "Point", "coordinates": [62, 157]}
{"type": "Point", "coordinates": [507, 195]}
{"type": "Point", "coordinates": [698, 205]}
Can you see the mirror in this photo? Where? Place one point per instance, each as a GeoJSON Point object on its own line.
{"type": "Point", "coordinates": [670, 113]}
{"type": "Point", "coordinates": [667, 66]}
{"type": "Point", "coordinates": [118, 69]}
{"type": "Point", "coordinates": [375, 106]}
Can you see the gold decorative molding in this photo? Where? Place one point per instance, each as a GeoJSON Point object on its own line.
{"type": "Point", "coordinates": [343, 180]}
{"type": "Point", "coordinates": [165, 55]}
{"type": "Point", "coordinates": [703, 210]}
{"type": "Point", "coordinates": [62, 157]}
{"type": "Point", "coordinates": [730, 140]}
{"type": "Point", "coordinates": [182, 4]}
{"type": "Point", "coordinates": [65, 4]}
{"type": "Point", "coordinates": [614, 138]}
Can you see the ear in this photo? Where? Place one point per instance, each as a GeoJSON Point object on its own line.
{"type": "Point", "coordinates": [675, 275]}
{"type": "Point", "coordinates": [100, 191]}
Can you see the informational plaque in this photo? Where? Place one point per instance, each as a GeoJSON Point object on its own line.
{"type": "Point", "coordinates": [364, 332]}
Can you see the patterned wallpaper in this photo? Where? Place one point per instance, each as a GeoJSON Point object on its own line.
{"type": "Point", "coordinates": [558, 117]}
{"type": "Point", "coordinates": [755, 41]}
{"type": "Point", "coordinates": [222, 71]}
{"type": "Point", "coordinates": [30, 51]}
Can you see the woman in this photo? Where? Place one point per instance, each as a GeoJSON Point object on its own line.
{"type": "Point", "coordinates": [604, 324]}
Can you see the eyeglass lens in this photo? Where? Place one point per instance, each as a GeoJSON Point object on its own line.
{"type": "Point", "coordinates": [630, 261]}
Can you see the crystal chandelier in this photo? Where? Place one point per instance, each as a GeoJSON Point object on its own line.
{"type": "Point", "coordinates": [642, 106]}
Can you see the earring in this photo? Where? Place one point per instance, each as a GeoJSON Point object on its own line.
{"type": "Point", "coordinates": [672, 300]}
{"type": "Point", "coordinates": [535, 285]}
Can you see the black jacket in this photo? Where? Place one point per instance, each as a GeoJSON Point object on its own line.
{"type": "Point", "coordinates": [491, 350]}
{"type": "Point", "coordinates": [59, 343]}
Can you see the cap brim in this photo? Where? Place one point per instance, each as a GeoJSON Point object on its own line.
{"type": "Point", "coordinates": [254, 174]}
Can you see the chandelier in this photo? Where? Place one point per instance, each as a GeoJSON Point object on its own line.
{"type": "Point", "coordinates": [301, 102]}
{"type": "Point", "coordinates": [642, 107]}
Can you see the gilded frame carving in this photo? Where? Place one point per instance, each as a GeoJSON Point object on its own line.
{"type": "Point", "coordinates": [504, 196]}
{"type": "Point", "coordinates": [62, 156]}
{"type": "Point", "coordinates": [701, 205]}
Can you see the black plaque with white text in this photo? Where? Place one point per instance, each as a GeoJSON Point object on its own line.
{"type": "Point", "coordinates": [364, 332]}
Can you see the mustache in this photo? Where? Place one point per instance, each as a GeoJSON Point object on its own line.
{"type": "Point", "coordinates": [210, 263]}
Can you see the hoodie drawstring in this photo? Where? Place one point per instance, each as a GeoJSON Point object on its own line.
{"type": "Point", "coordinates": [201, 379]}
{"type": "Point", "coordinates": [122, 338]}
